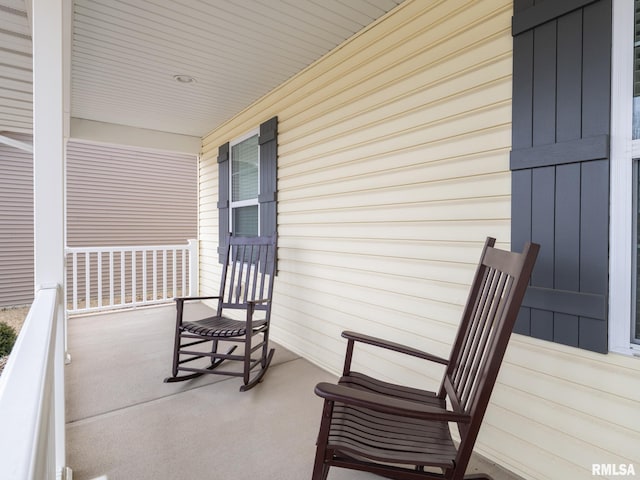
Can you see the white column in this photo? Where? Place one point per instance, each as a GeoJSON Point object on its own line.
{"type": "Point", "coordinates": [48, 142]}
{"type": "Point", "coordinates": [51, 21]}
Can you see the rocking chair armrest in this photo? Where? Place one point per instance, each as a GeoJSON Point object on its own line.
{"type": "Point", "coordinates": [386, 404]}
{"type": "Point", "coordinates": [396, 347]}
{"type": "Point", "coordinates": [261, 300]}
{"type": "Point", "coordinates": [183, 299]}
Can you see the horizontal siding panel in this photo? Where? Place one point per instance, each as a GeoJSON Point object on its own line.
{"type": "Point", "coordinates": [600, 375]}
{"type": "Point", "coordinates": [377, 191]}
{"type": "Point", "coordinates": [585, 400]}
{"type": "Point", "coordinates": [438, 160]}
{"type": "Point", "coordinates": [543, 421]}
{"type": "Point", "coordinates": [445, 210]}
{"type": "Point", "coordinates": [451, 100]}
{"type": "Point", "coordinates": [445, 252]}
{"type": "Point", "coordinates": [399, 265]}
{"type": "Point", "coordinates": [439, 231]}
{"type": "Point", "coordinates": [407, 138]}
{"type": "Point", "coordinates": [378, 64]}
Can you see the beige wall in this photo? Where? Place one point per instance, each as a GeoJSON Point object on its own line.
{"type": "Point", "coordinates": [393, 167]}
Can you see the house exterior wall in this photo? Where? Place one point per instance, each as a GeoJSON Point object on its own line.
{"type": "Point", "coordinates": [393, 167]}
{"type": "Point", "coordinates": [16, 224]}
{"type": "Point", "coordinates": [119, 196]}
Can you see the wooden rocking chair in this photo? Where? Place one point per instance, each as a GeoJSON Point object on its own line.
{"type": "Point", "coordinates": [403, 433]}
{"type": "Point", "coordinates": [246, 286]}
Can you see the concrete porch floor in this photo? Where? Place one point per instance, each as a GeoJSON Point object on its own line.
{"type": "Point", "coordinates": [124, 423]}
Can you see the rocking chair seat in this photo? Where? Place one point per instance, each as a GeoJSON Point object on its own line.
{"type": "Point", "coordinates": [364, 382]}
{"type": "Point", "coordinates": [362, 433]}
{"type": "Point", "coordinates": [220, 327]}
{"type": "Point", "coordinates": [386, 437]}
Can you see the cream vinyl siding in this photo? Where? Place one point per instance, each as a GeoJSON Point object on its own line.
{"type": "Point", "coordinates": [393, 168]}
{"type": "Point", "coordinates": [16, 224]}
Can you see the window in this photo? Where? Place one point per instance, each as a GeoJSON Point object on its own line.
{"type": "Point", "coordinates": [624, 288]}
{"type": "Point", "coordinates": [247, 184]}
{"type": "Point", "coordinates": [245, 167]}
{"type": "Point", "coordinates": [635, 327]}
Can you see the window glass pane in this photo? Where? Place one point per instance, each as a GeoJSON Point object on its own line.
{"type": "Point", "coordinates": [636, 72]}
{"type": "Point", "coordinates": [245, 221]}
{"type": "Point", "coordinates": [244, 170]}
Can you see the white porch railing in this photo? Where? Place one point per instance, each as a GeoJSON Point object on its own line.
{"type": "Point", "coordinates": [103, 278]}
{"type": "Point", "coordinates": [32, 432]}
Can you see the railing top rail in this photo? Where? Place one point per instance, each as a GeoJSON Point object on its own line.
{"type": "Point", "coordinates": [24, 388]}
{"type": "Point", "coordinates": [140, 248]}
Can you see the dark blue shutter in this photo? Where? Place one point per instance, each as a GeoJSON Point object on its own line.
{"type": "Point", "coordinates": [268, 198]}
{"type": "Point", "coordinates": [223, 199]}
{"type": "Point", "coordinates": [560, 166]}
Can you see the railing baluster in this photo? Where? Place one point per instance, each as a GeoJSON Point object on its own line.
{"type": "Point", "coordinates": [144, 275]}
{"type": "Point", "coordinates": [99, 279]}
{"type": "Point", "coordinates": [134, 280]}
{"type": "Point", "coordinates": [122, 277]}
{"type": "Point", "coordinates": [173, 268]}
{"type": "Point", "coordinates": [164, 274]}
{"type": "Point", "coordinates": [75, 280]}
{"type": "Point", "coordinates": [184, 273]}
{"type": "Point", "coordinates": [111, 277]}
{"type": "Point", "coordinates": [154, 258]}
{"type": "Point", "coordinates": [87, 279]}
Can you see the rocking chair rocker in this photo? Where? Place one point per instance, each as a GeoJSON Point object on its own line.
{"type": "Point", "coordinates": [403, 433]}
{"type": "Point", "coordinates": [246, 285]}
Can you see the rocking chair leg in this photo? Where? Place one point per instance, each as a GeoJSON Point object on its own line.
{"type": "Point", "coordinates": [214, 364]}
{"type": "Point", "coordinates": [320, 468]}
{"type": "Point", "coordinates": [182, 378]}
{"type": "Point", "coordinates": [258, 378]}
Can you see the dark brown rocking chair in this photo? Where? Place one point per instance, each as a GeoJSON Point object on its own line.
{"type": "Point", "coordinates": [404, 433]}
{"type": "Point", "coordinates": [246, 285]}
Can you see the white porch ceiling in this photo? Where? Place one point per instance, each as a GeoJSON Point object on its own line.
{"type": "Point", "coordinates": [125, 54]}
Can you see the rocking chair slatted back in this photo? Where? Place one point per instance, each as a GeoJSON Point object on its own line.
{"type": "Point", "coordinates": [248, 273]}
{"type": "Point", "coordinates": [399, 431]}
{"type": "Point", "coordinates": [484, 332]}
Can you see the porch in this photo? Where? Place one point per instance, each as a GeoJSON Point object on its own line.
{"type": "Point", "coordinates": [123, 422]}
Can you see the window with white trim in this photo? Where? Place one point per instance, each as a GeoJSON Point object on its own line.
{"type": "Point", "coordinates": [248, 184]}
{"type": "Point", "coordinates": [635, 324]}
{"type": "Point", "coordinates": [244, 208]}
{"type": "Point", "coordinates": [624, 286]}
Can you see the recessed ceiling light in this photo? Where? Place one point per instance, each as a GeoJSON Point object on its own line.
{"type": "Point", "coordinates": [184, 79]}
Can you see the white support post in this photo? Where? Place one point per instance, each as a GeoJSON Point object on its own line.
{"type": "Point", "coordinates": [193, 267]}
{"type": "Point", "coordinates": [51, 21]}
